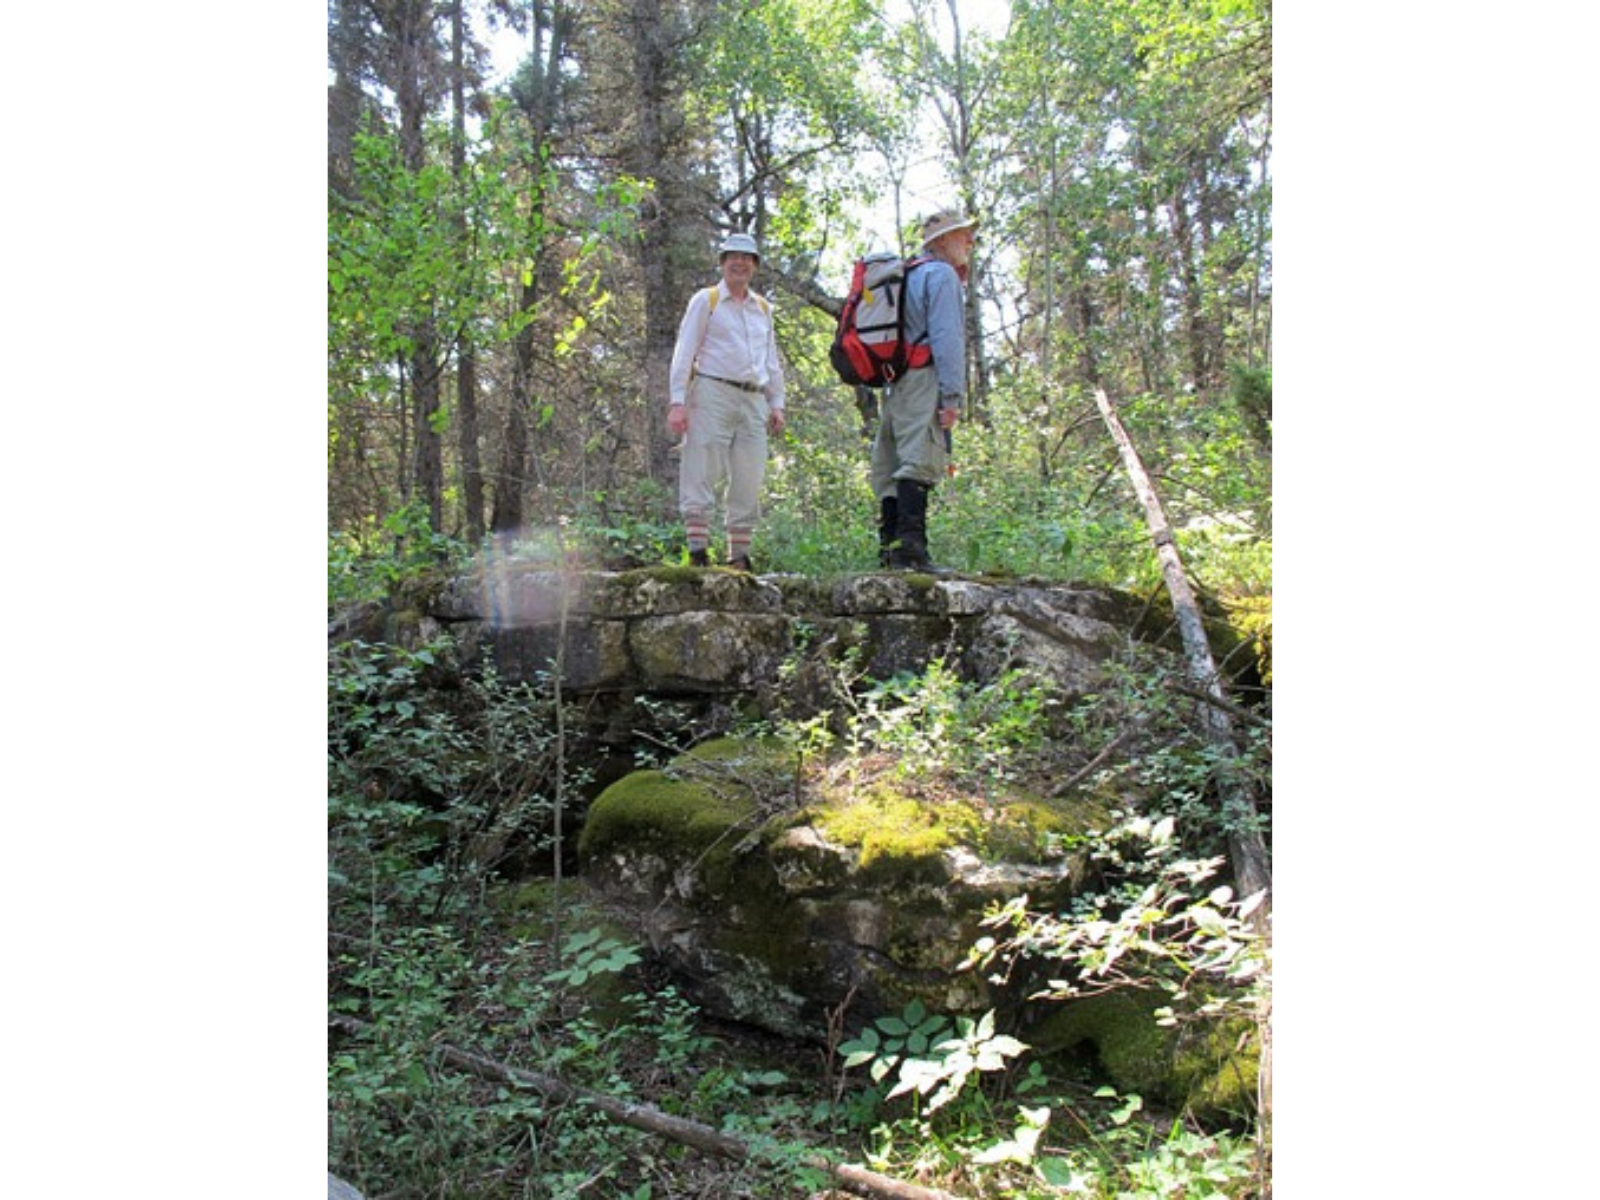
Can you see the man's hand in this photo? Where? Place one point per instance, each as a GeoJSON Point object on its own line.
{"type": "Point", "coordinates": [948, 417]}
{"type": "Point", "coordinates": [775, 421]}
{"type": "Point", "coordinates": [678, 419]}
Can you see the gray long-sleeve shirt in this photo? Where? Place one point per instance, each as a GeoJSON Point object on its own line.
{"type": "Point", "coordinates": [934, 315]}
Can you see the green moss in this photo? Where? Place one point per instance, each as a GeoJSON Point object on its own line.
{"type": "Point", "coordinates": [666, 573]}
{"type": "Point", "coordinates": [750, 753]}
{"type": "Point", "coordinates": [677, 817]}
{"type": "Point", "coordinates": [1218, 1078]}
{"type": "Point", "coordinates": [1028, 830]}
{"type": "Point", "coordinates": [888, 827]}
{"type": "Point", "coordinates": [1196, 1067]}
{"type": "Point", "coordinates": [897, 836]}
{"type": "Point", "coordinates": [1122, 1027]}
{"type": "Point", "coordinates": [1252, 617]}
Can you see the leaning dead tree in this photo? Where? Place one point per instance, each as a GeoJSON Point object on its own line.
{"type": "Point", "coordinates": [857, 1180]}
{"type": "Point", "coordinates": [1246, 847]}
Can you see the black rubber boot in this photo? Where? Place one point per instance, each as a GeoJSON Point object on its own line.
{"type": "Point", "coordinates": [699, 558]}
{"type": "Point", "coordinates": [911, 552]}
{"type": "Point", "coordinates": [888, 527]}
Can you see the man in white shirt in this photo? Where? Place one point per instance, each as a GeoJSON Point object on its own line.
{"type": "Point", "coordinates": [727, 395]}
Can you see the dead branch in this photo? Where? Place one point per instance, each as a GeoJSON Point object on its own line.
{"type": "Point", "coordinates": [1095, 763]}
{"type": "Point", "coordinates": [1246, 847]}
{"type": "Point", "coordinates": [1227, 706]}
{"type": "Point", "coordinates": [857, 1180]}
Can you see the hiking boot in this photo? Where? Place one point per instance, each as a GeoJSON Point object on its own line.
{"type": "Point", "coordinates": [699, 558]}
{"type": "Point", "coordinates": [888, 525]}
{"type": "Point", "coordinates": [742, 565]}
{"type": "Point", "coordinates": [910, 553]}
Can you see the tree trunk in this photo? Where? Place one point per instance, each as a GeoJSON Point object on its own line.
{"type": "Point", "coordinates": [1194, 323]}
{"type": "Point", "coordinates": [413, 35]}
{"type": "Point", "coordinates": [428, 463]}
{"type": "Point", "coordinates": [538, 97]}
{"type": "Point", "coordinates": [1246, 848]}
{"type": "Point", "coordinates": [347, 56]}
{"type": "Point", "coordinates": [653, 100]}
{"type": "Point", "coordinates": [466, 353]}
{"type": "Point", "coordinates": [511, 480]}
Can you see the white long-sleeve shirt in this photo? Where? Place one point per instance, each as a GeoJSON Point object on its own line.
{"type": "Point", "coordinates": [735, 342]}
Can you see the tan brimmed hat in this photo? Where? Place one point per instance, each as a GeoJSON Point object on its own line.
{"type": "Point", "coordinates": [941, 223]}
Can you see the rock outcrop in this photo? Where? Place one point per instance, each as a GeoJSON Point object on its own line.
{"type": "Point", "coordinates": [774, 897]}
{"type": "Point", "coordinates": [777, 908]}
{"type": "Point", "coordinates": [675, 631]}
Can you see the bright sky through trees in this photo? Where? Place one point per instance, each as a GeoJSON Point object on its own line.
{"type": "Point", "coordinates": [927, 185]}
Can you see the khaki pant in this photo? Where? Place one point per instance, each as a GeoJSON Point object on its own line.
{"type": "Point", "coordinates": [910, 445]}
{"type": "Point", "coordinates": [726, 445]}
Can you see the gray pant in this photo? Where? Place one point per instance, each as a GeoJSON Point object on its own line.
{"type": "Point", "coordinates": [910, 445]}
{"type": "Point", "coordinates": [726, 444]}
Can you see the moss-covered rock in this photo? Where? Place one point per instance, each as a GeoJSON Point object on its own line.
{"type": "Point", "coordinates": [1209, 1069]}
{"type": "Point", "coordinates": [777, 913]}
{"type": "Point", "coordinates": [651, 810]}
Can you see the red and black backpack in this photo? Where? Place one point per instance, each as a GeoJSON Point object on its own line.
{"type": "Point", "coordinates": [869, 345]}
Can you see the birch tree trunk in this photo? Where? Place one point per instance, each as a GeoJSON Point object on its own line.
{"type": "Point", "coordinates": [1247, 849]}
{"type": "Point", "coordinates": [1251, 870]}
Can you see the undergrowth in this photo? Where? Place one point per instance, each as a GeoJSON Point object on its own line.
{"type": "Point", "coordinates": [440, 798]}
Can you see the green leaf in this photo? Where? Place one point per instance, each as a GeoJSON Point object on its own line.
{"type": "Point", "coordinates": [1058, 1172]}
{"type": "Point", "coordinates": [1209, 921]}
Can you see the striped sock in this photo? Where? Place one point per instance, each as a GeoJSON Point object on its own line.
{"type": "Point", "coordinates": [738, 544]}
{"type": "Point", "coordinates": [699, 531]}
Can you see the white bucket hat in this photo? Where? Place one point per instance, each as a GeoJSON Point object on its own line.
{"type": "Point", "coordinates": [941, 223]}
{"type": "Point", "coordinates": [739, 243]}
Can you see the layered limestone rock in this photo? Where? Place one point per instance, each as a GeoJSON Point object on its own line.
{"type": "Point", "coordinates": [678, 631]}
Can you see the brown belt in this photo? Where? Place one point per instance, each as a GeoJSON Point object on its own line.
{"type": "Point", "coordinates": [743, 387]}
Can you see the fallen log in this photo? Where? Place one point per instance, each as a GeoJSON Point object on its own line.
{"type": "Point", "coordinates": [857, 1180]}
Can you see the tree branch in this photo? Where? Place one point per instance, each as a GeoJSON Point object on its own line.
{"type": "Point", "coordinates": [1227, 706]}
{"type": "Point", "coordinates": [1094, 764]}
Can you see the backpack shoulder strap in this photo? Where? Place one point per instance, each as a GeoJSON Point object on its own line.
{"type": "Point", "coordinates": [714, 293]}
